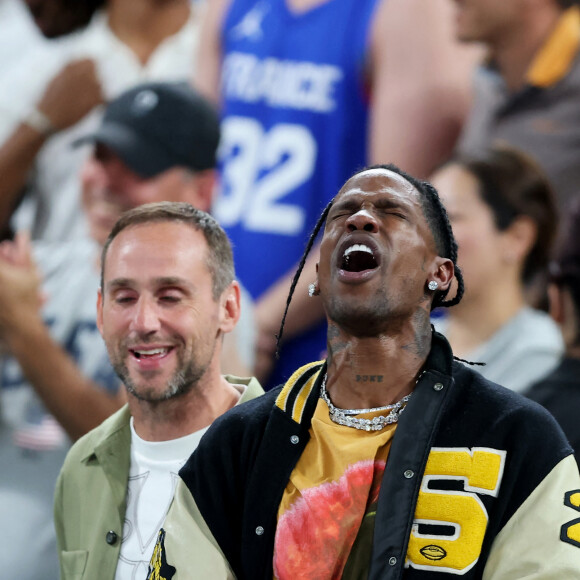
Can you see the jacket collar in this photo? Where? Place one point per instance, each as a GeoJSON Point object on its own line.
{"type": "Point", "coordinates": [555, 58]}
{"type": "Point", "coordinates": [108, 431]}
{"type": "Point", "coordinates": [299, 396]}
{"type": "Point", "coordinates": [301, 392]}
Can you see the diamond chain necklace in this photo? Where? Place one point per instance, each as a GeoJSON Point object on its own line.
{"type": "Point", "coordinates": [345, 416]}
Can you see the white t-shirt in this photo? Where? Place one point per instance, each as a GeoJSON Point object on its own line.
{"type": "Point", "coordinates": [153, 476]}
{"type": "Point", "coordinates": [18, 34]}
{"type": "Point", "coordinates": [51, 209]}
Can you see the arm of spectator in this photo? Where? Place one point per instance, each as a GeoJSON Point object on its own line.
{"type": "Point", "coordinates": [71, 94]}
{"type": "Point", "coordinates": [421, 84]}
{"type": "Point", "coordinates": [209, 52]}
{"type": "Point", "coordinates": [77, 403]}
{"type": "Point", "coordinates": [304, 312]}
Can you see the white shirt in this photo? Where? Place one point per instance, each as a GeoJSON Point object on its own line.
{"type": "Point", "coordinates": [52, 209]}
{"type": "Point", "coordinates": [18, 34]}
{"type": "Point", "coordinates": [153, 476]}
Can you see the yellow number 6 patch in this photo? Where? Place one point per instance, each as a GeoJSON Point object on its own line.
{"type": "Point", "coordinates": [461, 513]}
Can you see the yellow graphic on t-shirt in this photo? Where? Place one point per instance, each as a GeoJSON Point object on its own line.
{"type": "Point", "coordinates": [461, 512]}
{"type": "Point", "coordinates": [159, 569]}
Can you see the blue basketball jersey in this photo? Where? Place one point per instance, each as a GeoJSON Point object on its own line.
{"type": "Point", "coordinates": [294, 106]}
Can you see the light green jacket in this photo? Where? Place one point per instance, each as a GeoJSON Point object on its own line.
{"type": "Point", "coordinates": [90, 498]}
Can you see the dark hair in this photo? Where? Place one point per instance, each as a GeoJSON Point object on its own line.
{"type": "Point", "coordinates": [68, 16]}
{"type": "Point", "coordinates": [565, 268]}
{"type": "Point", "coordinates": [219, 256]}
{"type": "Point", "coordinates": [513, 185]}
{"type": "Point", "coordinates": [437, 219]}
{"type": "Point", "coordinates": [564, 4]}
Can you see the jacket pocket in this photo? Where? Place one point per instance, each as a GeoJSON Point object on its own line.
{"type": "Point", "coordinates": [73, 564]}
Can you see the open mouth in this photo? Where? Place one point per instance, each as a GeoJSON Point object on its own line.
{"type": "Point", "coordinates": [358, 258]}
{"type": "Point", "coordinates": [152, 353]}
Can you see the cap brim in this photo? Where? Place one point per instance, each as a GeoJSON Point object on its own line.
{"type": "Point", "coordinates": [141, 154]}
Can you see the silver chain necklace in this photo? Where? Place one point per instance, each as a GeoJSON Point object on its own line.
{"type": "Point", "coordinates": [345, 416]}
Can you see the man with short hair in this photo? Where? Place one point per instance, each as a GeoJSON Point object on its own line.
{"type": "Point", "coordinates": [526, 94]}
{"type": "Point", "coordinates": [390, 459]}
{"type": "Point", "coordinates": [167, 298]}
{"type": "Point", "coordinates": [156, 142]}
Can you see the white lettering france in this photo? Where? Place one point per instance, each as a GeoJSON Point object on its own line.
{"type": "Point", "coordinates": [298, 85]}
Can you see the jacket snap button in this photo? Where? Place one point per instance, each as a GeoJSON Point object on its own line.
{"type": "Point", "coordinates": [392, 561]}
{"type": "Point", "coordinates": [409, 473]}
{"type": "Point", "coordinates": [294, 439]}
{"type": "Point", "coordinates": [111, 537]}
{"type": "Point", "coordinates": [259, 531]}
{"type": "Point", "coordinates": [438, 386]}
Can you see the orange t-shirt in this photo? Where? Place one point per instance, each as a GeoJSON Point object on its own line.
{"type": "Point", "coordinates": [330, 491]}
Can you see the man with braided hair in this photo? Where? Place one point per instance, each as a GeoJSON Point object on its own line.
{"type": "Point", "coordinates": [389, 459]}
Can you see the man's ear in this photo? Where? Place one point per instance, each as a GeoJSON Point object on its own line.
{"type": "Point", "coordinates": [520, 238]}
{"type": "Point", "coordinates": [201, 189]}
{"type": "Point", "coordinates": [443, 273]}
{"type": "Point", "coordinates": [230, 307]}
{"type": "Point", "coordinates": [100, 311]}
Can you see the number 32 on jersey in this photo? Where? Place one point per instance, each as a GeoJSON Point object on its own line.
{"type": "Point", "coordinates": [260, 169]}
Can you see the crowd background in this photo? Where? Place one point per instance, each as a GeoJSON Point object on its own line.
{"type": "Point", "coordinates": [480, 95]}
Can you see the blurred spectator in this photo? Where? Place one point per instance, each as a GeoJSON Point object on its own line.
{"type": "Point", "coordinates": [528, 92]}
{"type": "Point", "coordinates": [559, 392]}
{"type": "Point", "coordinates": [52, 96]}
{"type": "Point", "coordinates": [504, 219]}
{"type": "Point", "coordinates": [312, 90]}
{"type": "Point", "coordinates": [17, 33]}
{"type": "Point", "coordinates": [156, 143]}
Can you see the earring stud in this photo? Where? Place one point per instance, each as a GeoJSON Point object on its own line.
{"type": "Point", "coordinates": [312, 289]}
{"type": "Point", "coordinates": [432, 285]}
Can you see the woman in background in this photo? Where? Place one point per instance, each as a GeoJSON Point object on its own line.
{"type": "Point", "coordinates": [504, 218]}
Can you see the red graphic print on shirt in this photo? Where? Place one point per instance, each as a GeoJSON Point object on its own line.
{"type": "Point", "coordinates": [315, 535]}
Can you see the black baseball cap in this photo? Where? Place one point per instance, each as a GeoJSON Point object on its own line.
{"type": "Point", "coordinates": [156, 126]}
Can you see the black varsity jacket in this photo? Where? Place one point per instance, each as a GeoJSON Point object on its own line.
{"type": "Point", "coordinates": [479, 482]}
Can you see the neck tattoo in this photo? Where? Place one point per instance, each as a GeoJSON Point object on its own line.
{"type": "Point", "coordinates": [346, 416]}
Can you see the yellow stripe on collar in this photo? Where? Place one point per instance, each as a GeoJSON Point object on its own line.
{"type": "Point", "coordinates": [304, 389]}
{"type": "Point", "coordinates": [555, 57]}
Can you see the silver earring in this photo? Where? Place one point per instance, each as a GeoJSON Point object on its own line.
{"type": "Point", "coordinates": [432, 285]}
{"type": "Point", "coordinates": [312, 289]}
